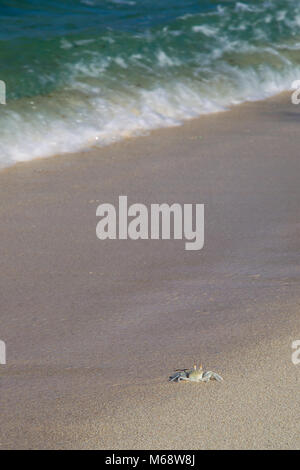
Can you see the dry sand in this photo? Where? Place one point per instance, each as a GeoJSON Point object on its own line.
{"type": "Point", "coordinates": [93, 328]}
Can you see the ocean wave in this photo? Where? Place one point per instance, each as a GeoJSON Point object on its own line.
{"type": "Point", "coordinates": [82, 120]}
{"type": "Point", "coordinates": [74, 92]}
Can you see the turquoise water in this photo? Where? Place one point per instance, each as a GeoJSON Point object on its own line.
{"type": "Point", "coordinates": [85, 73]}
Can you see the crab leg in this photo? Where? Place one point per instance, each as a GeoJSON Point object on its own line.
{"type": "Point", "coordinates": [184, 378]}
{"type": "Point", "coordinates": [211, 375]}
{"type": "Point", "coordinates": [173, 377]}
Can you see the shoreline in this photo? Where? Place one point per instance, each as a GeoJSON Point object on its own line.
{"type": "Point", "coordinates": [148, 132]}
{"type": "Point", "coordinates": [93, 328]}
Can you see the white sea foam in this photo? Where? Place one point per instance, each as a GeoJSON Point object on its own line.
{"type": "Point", "coordinates": [165, 61]}
{"type": "Point", "coordinates": [80, 120]}
{"type": "Point", "coordinates": [205, 29]}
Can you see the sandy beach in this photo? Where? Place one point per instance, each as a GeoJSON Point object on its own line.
{"type": "Point", "coordinates": [94, 328]}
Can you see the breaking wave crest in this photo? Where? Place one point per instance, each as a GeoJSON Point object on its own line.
{"type": "Point", "coordinates": [72, 92]}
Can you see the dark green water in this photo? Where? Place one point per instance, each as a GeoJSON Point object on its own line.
{"type": "Point", "coordinates": [89, 72]}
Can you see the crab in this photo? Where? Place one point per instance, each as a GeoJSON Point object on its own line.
{"type": "Point", "coordinates": [194, 375]}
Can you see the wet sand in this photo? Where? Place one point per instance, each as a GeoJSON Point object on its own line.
{"type": "Point", "coordinates": [93, 328]}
